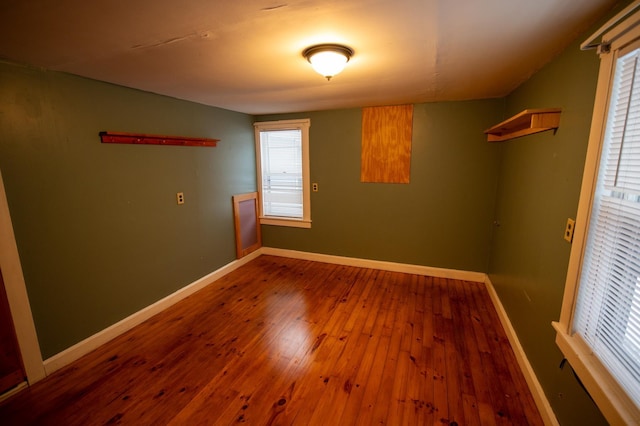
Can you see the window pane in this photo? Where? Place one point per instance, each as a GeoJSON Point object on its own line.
{"type": "Point", "coordinates": [281, 156]}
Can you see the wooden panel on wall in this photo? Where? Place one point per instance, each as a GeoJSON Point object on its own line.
{"type": "Point", "coordinates": [245, 217]}
{"type": "Point", "coordinates": [386, 144]}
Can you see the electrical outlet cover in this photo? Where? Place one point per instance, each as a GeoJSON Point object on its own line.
{"type": "Point", "coordinates": [568, 230]}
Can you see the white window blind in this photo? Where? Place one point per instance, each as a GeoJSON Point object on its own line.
{"type": "Point", "coordinates": [608, 303]}
{"type": "Point", "coordinates": [282, 177]}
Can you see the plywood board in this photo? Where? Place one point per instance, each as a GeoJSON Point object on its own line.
{"type": "Point", "coordinates": [386, 144]}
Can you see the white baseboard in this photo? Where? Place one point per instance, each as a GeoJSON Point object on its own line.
{"type": "Point", "coordinates": [539, 396]}
{"type": "Point", "coordinates": [92, 342]}
{"type": "Point", "coordinates": [548, 416]}
{"type": "Point", "coordinates": [378, 264]}
{"type": "Point", "coordinates": [87, 345]}
{"type": "Point", "coordinates": [8, 394]}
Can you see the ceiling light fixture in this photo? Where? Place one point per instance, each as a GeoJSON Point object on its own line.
{"type": "Point", "coordinates": [328, 59]}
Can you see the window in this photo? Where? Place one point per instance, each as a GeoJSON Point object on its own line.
{"type": "Point", "coordinates": [599, 327]}
{"type": "Point", "coordinates": [606, 314]}
{"type": "Point", "coordinates": [282, 155]}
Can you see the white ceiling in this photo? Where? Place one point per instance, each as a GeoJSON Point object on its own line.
{"type": "Point", "coordinates": [246, 55]}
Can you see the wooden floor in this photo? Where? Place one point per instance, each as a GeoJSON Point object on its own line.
{"type": "Point", "coordinates": [283, 341]}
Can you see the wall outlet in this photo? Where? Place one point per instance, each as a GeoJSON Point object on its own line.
{"type": "Point", "coordinates": [314, 187]}
{"type": "Point", "coordinates": [568, 230]}
{"type": "Point", "coordinates": [180, 197]}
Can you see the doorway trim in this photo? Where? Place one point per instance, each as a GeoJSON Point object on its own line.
{"type": "Point", "coordinates": [17, 295]}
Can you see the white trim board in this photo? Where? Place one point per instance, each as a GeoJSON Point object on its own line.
{"type": "Point", "coordinates": [548, 416]}
{"type": "Point", "coordinates": [8, 394]}
{"type": "Point", "coordinates": [17, 296]}
{"type": "Point", "coordinates": [85, 346]}
{"type": "Point", "coordinates": [76, 351]}
{"type": "Point", "coordinates": [379, 264]}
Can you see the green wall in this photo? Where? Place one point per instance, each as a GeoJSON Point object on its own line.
{"type": "Point", "coordinates": [443, 218]}
{"type": "Point", "coordinates": [460, 185]}
{"type": "Point", "coordinates": [98, 229]}
{"type": "Point", "coordinates": [100, 235]}
{"type": "Point", "coordinates": [540, 178]}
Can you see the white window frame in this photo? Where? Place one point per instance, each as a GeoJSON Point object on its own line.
{"type": "Point", "coordinates": [302, 125]}
{"type": "Point", "coordinates": [609, 396]}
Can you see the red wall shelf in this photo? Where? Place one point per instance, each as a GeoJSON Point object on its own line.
{"type": "Point", "coordinates": [138, 138]}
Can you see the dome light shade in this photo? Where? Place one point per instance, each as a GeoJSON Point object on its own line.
{"type": "Point", "coordinates": [328, 59]}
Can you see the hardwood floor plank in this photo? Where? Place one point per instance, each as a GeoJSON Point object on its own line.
{"type": "Point", "coordinates": [398, 402]}
{"type": "Point", "coordinates": [440, 374]}
{"type": "Point", "coordinates": [473, 379]}
{"type": "Point", "coordinates": [370, 337]}
{"type": "Point", "coordinates": [293, 342]}
{"type": "Point", "coordinates": [314, 389]}
{"type": "Point", "coordinates": [392, 332]}
{"type": "Point", "coordinates": [414, 409]}
{"type": "Point", "coordinates": [508, 409]}
{"type": "Point", "coordinates": [280, 306]}
{"type": "Point", "coordinates": [424, 402]}
{"type": "Point", "coordinates": [329, 382]}
{"type": "Point", "coordinates": [474, 332]}
{"type": "Point", "coordinates": [470, 407]}
{"type": "Point", "coordinates": [343, 370]}
{"type": "Point", "coordinates": [401, 345]}
{"type": "Point", "coordinates": [455, 355]}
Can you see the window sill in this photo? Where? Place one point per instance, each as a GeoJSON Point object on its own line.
{"type": "Point", "coordinates": [612, 400]}
{"type": "Point", "coordinates": [280, 221]}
